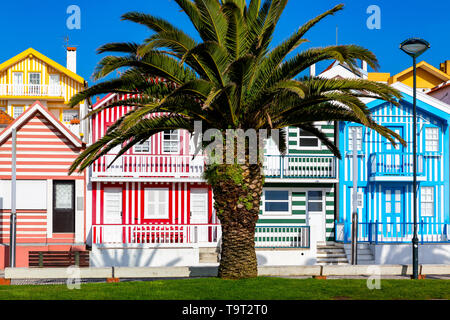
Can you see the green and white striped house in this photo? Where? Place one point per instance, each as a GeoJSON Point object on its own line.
{"type": "Point", "coordinates": [300, 186]}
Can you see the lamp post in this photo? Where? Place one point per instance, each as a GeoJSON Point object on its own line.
{"type": "Point", "coordinates": [414, 47]}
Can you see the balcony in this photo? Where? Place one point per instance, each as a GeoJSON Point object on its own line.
{"type": "Point", "coordinates": [30, 90]}
{"type": "Point", "coordinates": [303, 167]}
{"type": "Point", "coordinates": [187, 166]}
{"type": "Point", "coordinates": [395, 166]}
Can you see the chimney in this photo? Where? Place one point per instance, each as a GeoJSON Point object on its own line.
{"type": "Point", "coordinates": [445, 67]}
{"type": "Point", "coordinates": [312, 70]}
{"type": "Point", "coordinates": [364, 65]}
{"type": "Point", "coordinates": [72, 59]}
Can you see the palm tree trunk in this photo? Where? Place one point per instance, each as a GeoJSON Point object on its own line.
{"type": "Point", "coordinates": [237, 193]}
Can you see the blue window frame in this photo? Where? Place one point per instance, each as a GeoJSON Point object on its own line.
{"type": "Point", "coordinates": [276, 201]}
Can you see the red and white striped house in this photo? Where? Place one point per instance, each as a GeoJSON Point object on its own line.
{"type": "Point", "coordinates": [50, 203]}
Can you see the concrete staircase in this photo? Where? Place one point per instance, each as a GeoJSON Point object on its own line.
{"type": "Point", "coordinates": [331, 253]}
{"type": "Point", "coordinates": [208, 255]}
{"type": "Point", "coordinates": [364, 255]}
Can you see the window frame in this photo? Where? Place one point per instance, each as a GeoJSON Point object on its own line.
{"type": "Point", "coordinates": [70, 111]}
{"type": "Point", "coordinates": [277, 213]}
{"type": "Point", "coordinates": [422, 202]}
{"type": "Point", "coordinates": [146, 203]}
{"type": "Point", "coordinates": [299, 137]}
{"type": "Point", "coordinates": [350, 138]}
{"type": "Point", "coordinates": [13, 111]}
{"type": "Point", "coordinates": [140, 144]}
{"type": "Point", "coordinates": [164, 142]}
{"type": "Point", "coordinates": [426, 140]}
{"type": "Point", "coordinates": [322, 201]}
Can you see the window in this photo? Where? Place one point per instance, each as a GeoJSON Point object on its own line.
{"type": "Point", "coordinates": [315, 202]}
{"type": "Point", "coordinates": [17, 111]}
{"type": "Point", "coordinates": [431, 139]}
{"type": "Point", "coordinates": [143, 147]}
{"type": "Point", "coordinates": [307, 139]}
{"type": "Point", "coordinates": [170, 141]}
{"type": "Point", "coordinates": [358, 138]}
{"type": "Point", "coordinates": [70, 115]}
{"type": "Point", "coordinates": [34, 83]}
{"type": "Point", "coordinates": [276, 201]}
{"type": "Point", "coordinates": [427, 201]}
{"type": "Point", "coordinates": [156, 203]}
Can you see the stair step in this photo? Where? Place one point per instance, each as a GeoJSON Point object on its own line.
{"type": "Point", "coordinates": [337, 255]}
{"type": "Point", "coordinates": [329, 259]}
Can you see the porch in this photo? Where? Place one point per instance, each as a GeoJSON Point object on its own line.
{"type": "Point", "coordinates": [196, 235]}
{"type": "Point", "coordinates": [379, 232]}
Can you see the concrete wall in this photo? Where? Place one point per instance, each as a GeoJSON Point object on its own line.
{"type": "Point", "coordinates": [285, 257]}
{"type": "Point", "coordinates": [402, 253]}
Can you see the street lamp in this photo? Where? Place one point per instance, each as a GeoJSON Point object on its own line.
{"type": "Point", "coordinates": [414, 47]}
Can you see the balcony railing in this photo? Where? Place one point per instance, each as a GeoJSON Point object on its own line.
{"type": "Point", "coordinates": [323, 167]}
{"type": "Point", "coordinates": [378, 232]}
{"type": "Point", "coordinates": [31, 90]}
{"type": "Point", "coordinates": [394, 164]}
{"type": "Point", "coordinates": [149, 166]}
{"type": "Point", "coordinates": [165, 235]}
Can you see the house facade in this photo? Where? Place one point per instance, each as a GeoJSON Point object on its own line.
{"type": "Point", "coordinates": [152, 206]}
{"type": "Point", "coordinates": [385, 180]}
{"type": "Point", "coordinates": [34, 91]}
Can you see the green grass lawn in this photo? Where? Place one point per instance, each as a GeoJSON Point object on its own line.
{"type": "Point", "coordinates": [252, 289]}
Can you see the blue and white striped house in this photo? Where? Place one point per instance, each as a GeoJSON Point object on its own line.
{"type": "Point", "coordinates": [385, 178]}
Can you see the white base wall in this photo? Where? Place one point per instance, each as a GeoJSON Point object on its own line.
{"type": "Point", "coordinates": [402, 253]}
{"type": "Point", "coordinates": [140, 256]}
{"type": "Point", "coordinates": [285, 257]}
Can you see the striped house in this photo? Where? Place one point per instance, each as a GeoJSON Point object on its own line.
{"type": "Point", "coordinates": [50, 205]}
{"type": "Point", "coordinates": [155, 198]}
{"type": "Point", "coordinates": [34, 91]}
{"type": "Point", "coordinates": [385, 180]}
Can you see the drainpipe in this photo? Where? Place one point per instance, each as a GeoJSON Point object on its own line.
{"type": "Point", "coordinates": [12, 232]}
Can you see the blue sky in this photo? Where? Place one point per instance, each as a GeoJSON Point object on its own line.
{"type": "Point", "coordinates": [42, 25]}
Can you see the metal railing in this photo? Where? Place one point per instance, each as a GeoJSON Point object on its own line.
{"type": "Point", "coordinates": [383, 232]}
{"type": "Point", "coordinates": [33, 90]}
{"type": "Point", "coordinates": [394, 164]}
{"type": "Point", "coordinates": [182, 235]}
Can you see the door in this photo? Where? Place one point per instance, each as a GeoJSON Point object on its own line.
{"type": "Point", "coordinates": [393, 212]}
{"type": "Point", "coordinates": [112, 215]}
{"type": "Point", "coordinates": [316, 214]}
{"type": "Point", "coordinates": [17, 83]}
{"type": "Point", "coordinates": [393, 161]}
{"type": "Point", "coordinates": [199, 214]}
{"type": "Point", "coordinates": [54, 88]}
{"type": "Point", "coordinates": [63, 206]}
{"type": "Point", "coordinates": [34, 84]}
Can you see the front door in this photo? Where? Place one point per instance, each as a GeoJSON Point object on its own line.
{"type": "Point", "coordinates": [53, 88]}
{"type": "Point", "coordinates": [63, 206]}
{"type": "Point", "coordinates": [112, 215]}
{"type": "Point", "coordinates": [393, 212]}
{"type": "Point", "coordinates": [199, 213]}
{"type": "Point", "coordinates": [316, 214]}
{"type": "Point", "coordinates": [393, 160]}
{"type": "Point", "coordinates": [17, 83]}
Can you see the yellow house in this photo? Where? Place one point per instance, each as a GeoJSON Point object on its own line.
{"type": "Point", "coordinates": [31, 76]}
{"type": "Point", "coordinates": [428, 76]}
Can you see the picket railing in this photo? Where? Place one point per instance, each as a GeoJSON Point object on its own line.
{"type": "Point", "coordinates": [196, 234]}
{"type": "Point", "coordinates": [293, 166]}
{"type": "Point", "coordinates": [394, 164]}
{"type": "Point", "coordinates": [34, 90]}
{"type": "Point", "coordinates": [378, 232]}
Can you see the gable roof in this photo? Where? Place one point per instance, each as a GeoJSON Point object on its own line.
{"type": "Point", "coordinates": [40, 56]}
{"type": "Point", "coordinates": [5, 119]}
{"type": "Point", "coordinates": [103, 100]}
{"type": "Point", "coordinates": [344, 68]}
{"type": "Point", "coordinates": [425, 66]}
{"type": "Point", "coordinates": [439, 87]}
{"type": "Point", "coordinates": [424, 101]}
{"type": "Point", "coordinates": [29, 113]}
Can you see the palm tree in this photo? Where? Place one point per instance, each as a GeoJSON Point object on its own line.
{"type": "Point", "coordinates": [231, 79]}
